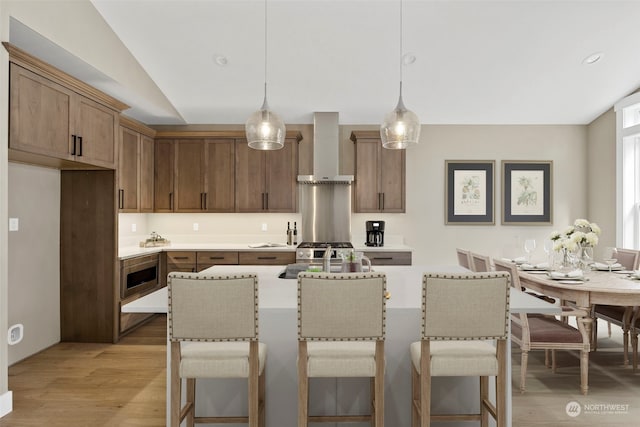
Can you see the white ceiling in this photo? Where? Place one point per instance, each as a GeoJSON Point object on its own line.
{"type": "Point", "coordinates": [478, 62]}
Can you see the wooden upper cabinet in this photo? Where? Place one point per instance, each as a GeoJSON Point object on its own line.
{"type": "Point", "coordinates": [219, 175]}
{"type": "Point", "coordinates": [49, 119]}
{"type": "Point", "coordinates": [128, 171]}
{"type": "Point", "coordinates": [135, 167]}
{"type": "Point", "coordinates": [189, 172]}
{"type": "Point", "coordinates": [379, 175]}
{"type": "Point", "coordinates": [266, 180]}
{"type": "Point", "coordinates": [163, 174]}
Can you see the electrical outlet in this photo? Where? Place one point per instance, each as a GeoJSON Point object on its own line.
{"type": "Point", "coordinates": [15, 334]}
{"type": "Point", "coordinates": [14, 224]}
{"type": "Point", "coordinates": [264, 226]}
{"type": "Point", "coordinates": [196, 226]}
{"type": "Point", "coordinates": [133, 228]}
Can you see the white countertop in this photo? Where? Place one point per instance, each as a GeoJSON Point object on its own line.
{"type": "Point", "coordinates": [403, 282]}
{"type": "Point", "coordinates": [132, 251]}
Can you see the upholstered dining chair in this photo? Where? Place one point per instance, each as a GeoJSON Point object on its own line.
{"type": "Point", "coordinates": [213, 330]}
{"type": "Point", "coordinates": [459, 314]}
{"type": "Point", "coordinates": [480, 263]}
{"type": "Point", "coordinates": [341, 331]}
{"type": "Point", "coordinates": [543, 332]}
{"type": "Point", "coordinates": [615, 314]}
{"type": "Point", "coordinates": [464, 258]}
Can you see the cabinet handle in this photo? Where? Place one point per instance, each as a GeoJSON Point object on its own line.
{"type": "Point", "coordinates": [205, 201]}
{"type": "Point", "coordinates": [80, 143]}
{"type": "Point", "coordinates": [382, 201]}
{"type": "Point", "coordinates": [267, 257]}
{"type": "Point", "coordinates": [216, 257]}
{"type": "Point", "coordinates": [73, 151]}
{"type": "Point", "coordinates": [180, 257]}
{"type": "Point", "coordinates": [262, 195]}
{"type": "Point", "coordinates": [382, 257]}
{"type": "Point", "coordinates": [171, 200]}
{"type": "Point", "coordinates": [201, 201]}
{"type": "Point", "coordinates": [266, 198]}
{"type": "Point", "coordinates": [121, 199]}
{"type": "Point", "coordinates": [379, 200]}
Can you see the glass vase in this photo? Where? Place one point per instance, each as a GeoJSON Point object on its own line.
{"type": "Point", "coordinates": [585, 258]}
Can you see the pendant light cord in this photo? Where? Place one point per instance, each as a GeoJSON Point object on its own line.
{"type": "Point", "coordinates": [265, 52]}
{"type": "Point", "coordinates": [400, 47]}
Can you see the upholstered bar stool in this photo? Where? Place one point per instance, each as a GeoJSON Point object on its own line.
{"type": "Point", "coordinates": [341, 326]}
{"type": "Point", "coordinates": [213, 330]}
{"type": "Point", "coordinates": [460, 313]}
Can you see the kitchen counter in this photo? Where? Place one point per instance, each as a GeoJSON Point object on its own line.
{"type": "Point", "coordinates": [133, 251]}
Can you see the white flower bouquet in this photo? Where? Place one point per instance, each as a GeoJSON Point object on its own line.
{"type": "Point", "coordinates": [581, 234]}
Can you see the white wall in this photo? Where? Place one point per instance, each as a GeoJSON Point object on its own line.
{"type": "Point", "coordinates": [34, 258]}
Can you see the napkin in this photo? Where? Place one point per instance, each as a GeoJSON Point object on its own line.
{"type": "Point", "coordinates": [519, 260]}
{"type": "Point", "coordinates": [540, 266]}
{"type": "Point", "coordinates": [603, 266]}
{"type": "Point", "coordinates": [575, 274]}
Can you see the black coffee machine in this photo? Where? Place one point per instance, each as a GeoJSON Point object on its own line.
{"type": "Point", "coordinates": [375, 233]}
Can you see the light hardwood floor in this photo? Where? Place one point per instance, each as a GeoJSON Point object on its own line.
{"type": "Point", "coordinates": [124, 385]}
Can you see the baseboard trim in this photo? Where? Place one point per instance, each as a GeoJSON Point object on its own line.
{"type": "Point", "coordinates": [6, 403]}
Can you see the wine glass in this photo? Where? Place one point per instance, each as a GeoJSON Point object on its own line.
{"type": "Point", "coordinates": [529, 247]}
{"type": "Point", "coordinates": [548, 249]}
{"type": "Point", "coordinates": [610, 256]}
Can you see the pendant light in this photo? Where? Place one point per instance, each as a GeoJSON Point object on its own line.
{"type": "Point", "coordinates": [401, 127]}
{"type": "Point", "coordinates": [265, 129]}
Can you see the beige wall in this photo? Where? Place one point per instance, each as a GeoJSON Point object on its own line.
{"type": "Point", "coordinates": [5, 404]}
{"type": "Point", "coordinates": [34, 258]}
{"type": "Point", "coordinates": [601, 179]}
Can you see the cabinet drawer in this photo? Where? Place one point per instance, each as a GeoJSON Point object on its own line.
{"type": "Point", "coordinates": [211, 258]}
{"type": "Point", "coordinates": [181, 257]}
{"type": "Point", "coordinates": [389, 258]}
{"type": "Point", "coordinates": [267, 258]}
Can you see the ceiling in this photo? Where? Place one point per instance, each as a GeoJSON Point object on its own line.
{"type": "Point", "coordinates": [477, 62]}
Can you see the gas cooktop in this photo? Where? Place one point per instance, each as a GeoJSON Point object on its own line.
{"type": "Point", "coordinates": [323, 245]}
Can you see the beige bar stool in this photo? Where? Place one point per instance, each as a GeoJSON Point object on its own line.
{"type": "Point", "coordinates": [213, 330]}
{"type": "Point", "coordinates": [460, 313]}
{"type": "Point", "coordinates": [341, 327]}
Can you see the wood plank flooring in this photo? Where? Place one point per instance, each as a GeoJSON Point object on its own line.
{"type": "Point", "coordinates": [82, 385]}
{"type": "Point", "coordinates": [73, 384]}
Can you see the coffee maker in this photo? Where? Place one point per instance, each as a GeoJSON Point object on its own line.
{"type": "Point", "coordinates": [375, 233]}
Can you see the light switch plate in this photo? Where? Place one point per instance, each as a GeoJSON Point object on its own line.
{"type": "Point", "coordinates": [133, 228]}
{"type": "Point", "coordinates": [14, 224]}
{"type": "Point", "coordinates": [196, 226]}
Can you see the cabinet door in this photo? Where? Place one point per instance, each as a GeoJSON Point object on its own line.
{"type": "Point", "coordinates": [163, 172]}
{"type": "Point", "coordinates": [208, 259]}
{"type": "Point", "coordinates": [95, 126]}
{"type": "Point", "coordinates": [219, 176]}
{"type": "Point", "coordinates": [128, 171]}
{"type": "Point", "coordinates": [367, 193]}
{"type": "Point", "coordinates": [189, 182]}
{"type": "Point", "coordinates": [266, 258]}
{"type": "Point", "coordinates": [392, 180]}
{"type": "Point", "coordinates": [39, 115]}
{"type": "Point", "coordinates": [146, 174]}
{"type": "Point", "coordinates": [181, 261]}
{"type": "Point", "coordinates": [281, 178]}
{"type": "Point", "coordinates": [250, 176]}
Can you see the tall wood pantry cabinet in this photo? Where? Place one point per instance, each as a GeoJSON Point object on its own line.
{"type": "Point", "coordinates": [60, 122]}
{"type": "Point", "coordinates": [379, 184]}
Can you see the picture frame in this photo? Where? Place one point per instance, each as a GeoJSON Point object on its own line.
{"type": "Point", "coordinates": [469, 192]}
{"type": "Point", "coordinates": [527, 192]}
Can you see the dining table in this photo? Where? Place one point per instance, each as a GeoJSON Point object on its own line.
{"type": "Point", "coordinates": [620, 288]}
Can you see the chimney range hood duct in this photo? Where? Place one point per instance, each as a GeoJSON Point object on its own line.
{"type": "Point", "coordinates": [326, 136]}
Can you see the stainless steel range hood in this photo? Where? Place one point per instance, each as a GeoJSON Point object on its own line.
{"type": "Point", "coordinates": [325, 196]}
{"type": "Point", "coordinates": [326, 138]}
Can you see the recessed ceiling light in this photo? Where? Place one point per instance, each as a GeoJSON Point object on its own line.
{"type": "Point", "coordinates": [221, 60]}
{"type": "Point", "coordinates": [408, 58]}
{"type": "Point", "coordinates": [593, 58]}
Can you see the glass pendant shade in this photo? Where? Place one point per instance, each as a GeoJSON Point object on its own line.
{"type": "Point", "coordinates": [400, 128]}
{"type": "Point", "coordinates": [265, 130]}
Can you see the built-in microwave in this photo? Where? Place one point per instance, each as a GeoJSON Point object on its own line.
{"type": "Point", "coordinates": [139, 274]}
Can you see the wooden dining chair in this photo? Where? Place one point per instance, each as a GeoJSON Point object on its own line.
{"type": "Point", "coordinates": [213, 330]}
{"type": "Point", "coordinates": [464, 258]}
{"type": "Point", "coordinates": [480, 263]}
{"type": "Point", "coordinates": [460, 315]}
{"type": "Point", "coordinates": [614, 314]}
{"type": "Point", "coordinates": [543, 332]}
{"type": "Point", "coordinates": [635, 329]}
{"type": "Point", "coordinates": [341, 331]}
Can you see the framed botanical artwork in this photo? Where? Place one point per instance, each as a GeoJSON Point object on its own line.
{"type": "Point", "coordinates": [469, 192]}
{"type": "Point", "coordinates": [526, 192]}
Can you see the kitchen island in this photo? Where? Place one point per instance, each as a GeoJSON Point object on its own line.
{"type": "Point", "coordinates": [278, 329]}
